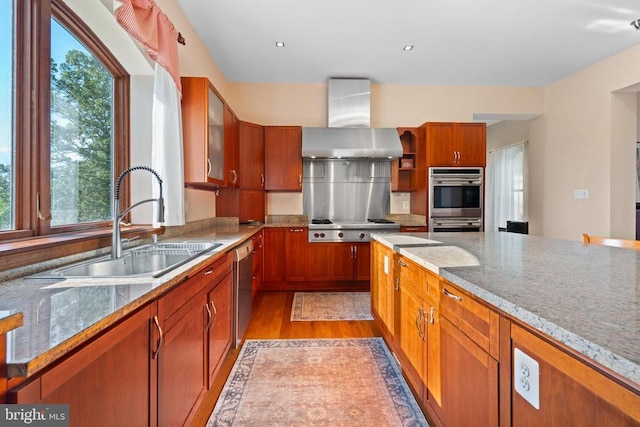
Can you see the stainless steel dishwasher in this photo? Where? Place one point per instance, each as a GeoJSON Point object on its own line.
{"type": "Point", "coordinates": [242, 290]}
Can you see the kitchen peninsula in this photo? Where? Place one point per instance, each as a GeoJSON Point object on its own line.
{"type": "Point", "coordinates": [573, 309]}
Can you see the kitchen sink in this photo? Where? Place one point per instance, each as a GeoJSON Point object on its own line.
{"type": "Point", "coordinates": [152, 260]}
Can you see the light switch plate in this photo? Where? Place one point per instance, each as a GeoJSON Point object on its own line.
{"type": "Point", "coordinates": [526, 377]}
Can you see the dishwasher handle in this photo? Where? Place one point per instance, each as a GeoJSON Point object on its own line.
{"type": "Point", "coordinates": [243, 251]}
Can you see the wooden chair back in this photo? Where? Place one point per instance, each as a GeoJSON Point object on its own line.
{"type": "Point", "coordinates": [606, 241]}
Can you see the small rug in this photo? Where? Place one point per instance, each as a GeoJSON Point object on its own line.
{"type": "Point", "coordinates": [328, 382]}
{"type": "Point", "coordinates": [331, 306]}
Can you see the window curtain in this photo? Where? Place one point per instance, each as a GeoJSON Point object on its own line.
{"type": "Point", "coordinates": [506, 186]}
{"type": "Point", "coordinates": [146, 23]}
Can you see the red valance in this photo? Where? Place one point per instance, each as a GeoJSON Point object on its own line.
{"type": "Point", "coordinates": [145, 22]}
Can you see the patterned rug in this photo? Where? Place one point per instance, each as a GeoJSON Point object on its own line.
{"type": "Point", "coordinates": [331, 306]}
{"type": "Point", "coordinates": [330, 382]}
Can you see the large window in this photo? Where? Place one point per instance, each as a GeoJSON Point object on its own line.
{"type": "Point", "coordinates": [63, 116]}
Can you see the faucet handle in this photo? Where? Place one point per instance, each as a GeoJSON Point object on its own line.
{"type": "Point", "coordinates": [130, 239]}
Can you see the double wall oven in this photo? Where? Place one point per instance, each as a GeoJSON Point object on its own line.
{"type": "Point", "coordinates": [455, 199]}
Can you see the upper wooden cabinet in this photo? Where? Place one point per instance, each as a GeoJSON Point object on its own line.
{"type": "Point", "coordinates": [456, 144]}
{"type": "Point", "coordinates": [203, 128]}
{"type": "Point", "coordinates": [283, 158]}
{"type": "Point", "coordinates": [231, 148]}
{"type": "Point", "coordinates": [251, 174]}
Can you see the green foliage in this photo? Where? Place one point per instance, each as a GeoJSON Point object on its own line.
{"type": "Point", "coordinates": [81, 140]}
{"type": "Point", "coordinates": [5, 197]}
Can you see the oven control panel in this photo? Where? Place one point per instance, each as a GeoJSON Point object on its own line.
{"type": "Point", "coordinates": [329, 235]}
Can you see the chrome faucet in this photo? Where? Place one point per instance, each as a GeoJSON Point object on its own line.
{"type": "Point", "coordinates": [116, 240]}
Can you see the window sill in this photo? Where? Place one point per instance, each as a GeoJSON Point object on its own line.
{"type": "Point", "coordinates": [19, 253]}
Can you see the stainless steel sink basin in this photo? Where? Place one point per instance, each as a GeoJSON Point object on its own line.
{"type": "Point", "coordinates": [145, 261]}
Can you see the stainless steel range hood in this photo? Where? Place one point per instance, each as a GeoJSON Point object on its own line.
{"type": "Point", "coordinates": [349, 134]}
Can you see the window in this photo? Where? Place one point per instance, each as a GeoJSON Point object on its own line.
{"type": "Point", "coordinates": [506, 186]}
{"type": "Point", "coordinates": [63, 117]}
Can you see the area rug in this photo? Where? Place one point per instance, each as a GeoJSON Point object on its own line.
{"type": "Point", "coordinates": [331, 306]}
{"type": "Point", "coordinates": [328, 382]}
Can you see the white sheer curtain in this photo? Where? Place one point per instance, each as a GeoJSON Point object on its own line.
{"type": "Point", "coordinates": [166, 151]}
{"type": "Point", "coordinates": [506, 186]}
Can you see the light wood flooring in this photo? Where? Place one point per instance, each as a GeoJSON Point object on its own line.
{"type": "Point", "coordinates": [270, 320]}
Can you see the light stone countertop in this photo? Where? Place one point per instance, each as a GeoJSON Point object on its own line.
{"type": "Point", "coordinates": [59, 315]}
{"type": "Point", "coordinates": [587, 297]}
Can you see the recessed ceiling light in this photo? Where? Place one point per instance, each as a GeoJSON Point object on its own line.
{"type": "Point", "coordinates": [279, 44]}
{"type": "Point", "coordinates": [408, 47]}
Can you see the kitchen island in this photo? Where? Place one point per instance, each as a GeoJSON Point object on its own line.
{"type": "Point", "coordinates": [582, 300]}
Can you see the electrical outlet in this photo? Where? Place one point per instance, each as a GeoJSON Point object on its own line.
{"type": "Point", "coordinates": [580, 194]}
{"type": "Point", "coordinates": [526, 377]}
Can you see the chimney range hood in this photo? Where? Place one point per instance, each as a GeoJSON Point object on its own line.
{"type": "Point", "coordinates": [349, 134]}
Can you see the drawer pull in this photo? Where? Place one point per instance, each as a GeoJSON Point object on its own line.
{"type": "Point", "coordinates": [397, 284]}
{"type": "Point", "coordinates": [215, 311]}
{"type": "Point", "coordinates": [418, 322]}
{"type": "Point", "coordinates": [159, 344]}
{"type": "Point", "coordinates": [208, 272]}
{"type": "Point", "coordinates": [450, 295]}
{"type": "Point", "coordinates": [431, 320]}
{"type": "Point", "coordinates": [402, 263]}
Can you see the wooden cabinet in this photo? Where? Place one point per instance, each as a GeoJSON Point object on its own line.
{"type": "Point", "coordinates": [283, 158]}
{"type": "Point", "coordinates": [181, 363]}
{"type": "Point", "coordinates": [196, 322]}
{"type": "Point", "coordinates": [571, 392]}
{"type": "Point", "coordinates": [382, 287]}
{"type": "Point", "coordinates": [219, 321]}
{"type": "Point", "coordinates": [414, 229]}
{"type": "Point", "coordinates": [403, 176]}
{"type": "Point", "coordinates": [456, 144]}
{"type": "Point", "coordinates": [106, 383]}
{"type": "Point", "coordinates": [247, 201]}
{"type": "Point", "coordinates": [295, 253]}
{"type": "Point", "coordinates": [257, 260]}
{"type": "Point", "coordinates": [273, 265]}
{"type": "Point", "coordinates": [203, 127]}
{"type": "Point", "coordinates": [336, 261]}
{"type": "Point", "coordinates": [231, 148]}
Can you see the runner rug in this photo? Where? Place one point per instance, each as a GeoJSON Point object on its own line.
{"type": "Point", "coordinates": [331, 306]}
{"type": "Point", "coordinates": [328, 382]}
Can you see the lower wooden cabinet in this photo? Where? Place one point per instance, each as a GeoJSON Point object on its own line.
{"type": "Point", "coordinates": [107, 383]}
{"type": "Point", "coordinates": [571, 393]}
{"type": "Point", "coordinates": [257, 261]}
{"type": "Point", "coordinates": [153, 367]}
{"type": "Point", "coordinates": [382, 286]}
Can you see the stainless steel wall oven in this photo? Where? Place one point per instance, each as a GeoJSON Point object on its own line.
{"type": "Point", "coordinates": [455, 199]}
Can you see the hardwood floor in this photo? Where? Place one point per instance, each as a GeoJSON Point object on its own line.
{"type": "Point", "coordinates": [270, 320]}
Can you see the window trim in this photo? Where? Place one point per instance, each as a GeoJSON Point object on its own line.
{"type": "Point", "coordinates": [34, 240]}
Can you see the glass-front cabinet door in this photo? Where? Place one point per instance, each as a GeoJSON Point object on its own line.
{"type": "Point", "coordinates": [215, 152]}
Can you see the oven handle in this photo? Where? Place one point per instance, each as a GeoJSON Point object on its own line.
{"type": "Point", "coordinates": [456, 223]}
{"type": "Point", "coordinates": [437, 182]}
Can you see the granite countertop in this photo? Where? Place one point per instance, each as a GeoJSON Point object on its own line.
{"type": "Point", "coordinates": [587, 297]}
{"type": "Point", "coordinates": [60, 315]}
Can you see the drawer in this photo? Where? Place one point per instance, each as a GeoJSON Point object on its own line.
{"type": "Point", "coordinates": [410, 275]}
{"type": "Point", "coordinates": [473, 318]}
{"type": "Point", "coordinates": [172, 302]}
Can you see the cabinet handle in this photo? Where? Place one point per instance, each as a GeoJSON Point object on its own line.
{"type": "Point", "coordinates": [208, 272]}
{"type": "Point", "coordinates": [215, 311]}
{"type": "Point", "coordinates": [262, 180]}
{"type": "Point", "coordinates": [208, 167]}
{"type": "Point", "coordinates": [159, 343]}
{"type": "Point", "coordinates": [235, 176]}
{"type": "Point", "coordinates": [402, 264]}
{"type": "Point", "coordinates": [206, 306]}
{"type": "Point", "coordinates": [300, 180]}
{"type": "Point", "coordinates": [418, 319]}
{"type": "Point", "coordinates": [397, 287]}
{"type": "Point", "coordinates": [296, 230]}
{"type": "Point", "coordinates": [450, 295]}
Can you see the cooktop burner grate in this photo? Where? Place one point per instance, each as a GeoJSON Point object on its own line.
{"type": "Point", "coordinates": [380, 221]}
{"type": "Point", "coordinates": [321, 221]}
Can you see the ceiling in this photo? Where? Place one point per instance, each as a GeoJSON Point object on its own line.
{"type": "Point", "coordinates": [456, 42]}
